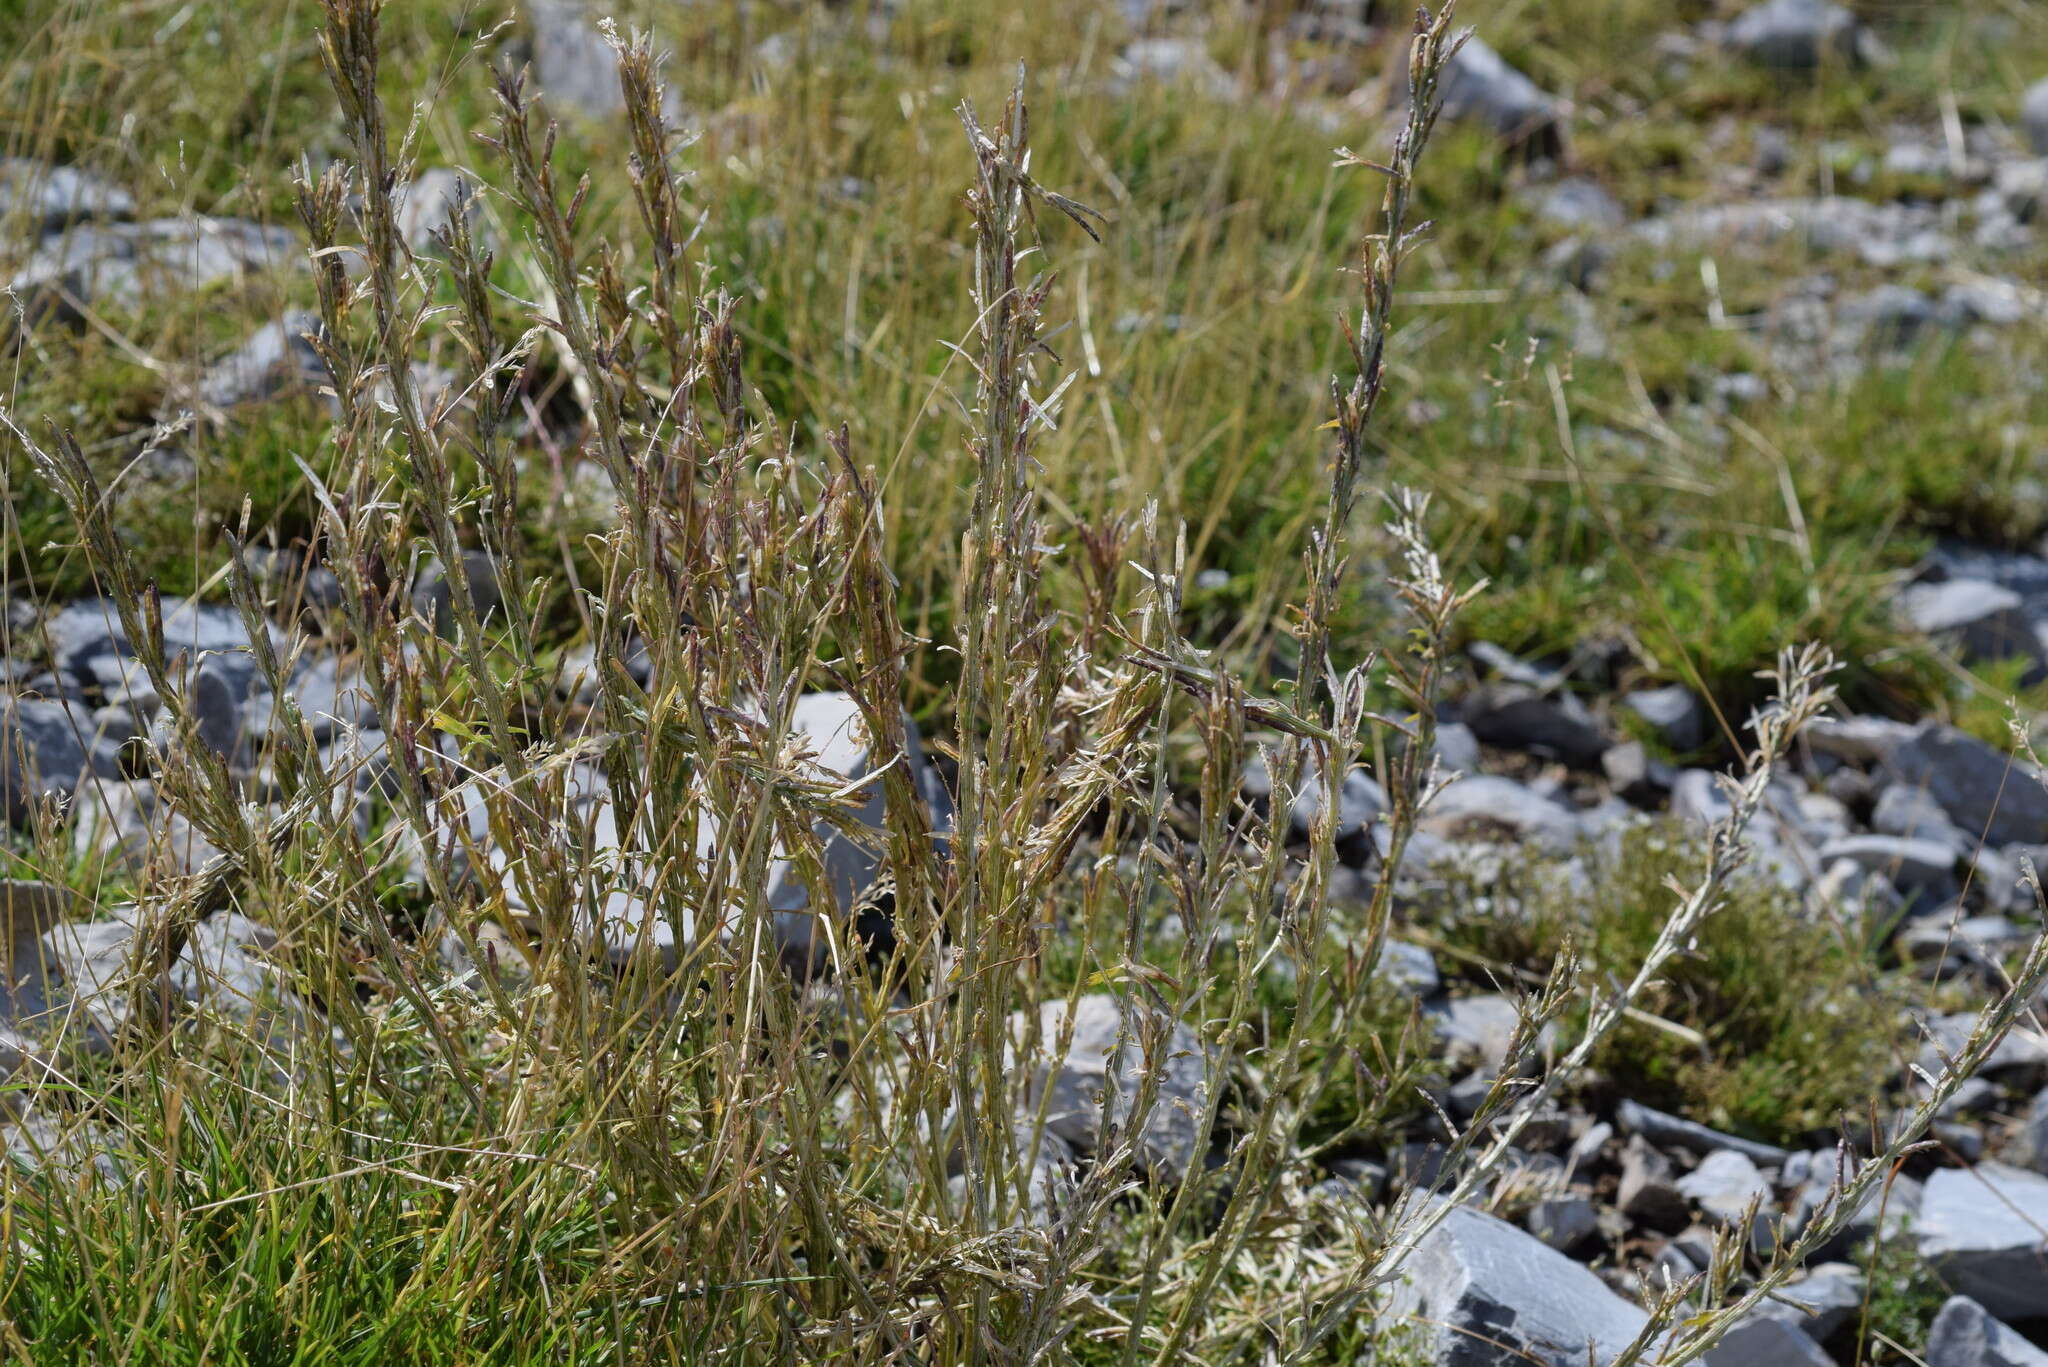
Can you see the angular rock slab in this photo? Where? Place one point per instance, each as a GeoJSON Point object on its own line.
{"type": "Point", "coordinates": [205, 646]}
{"type": "Point", "coordinates": [1965, 1334]}
{"type": "Point", "coordinates": [2034, 116]}
{"type": "Point", "coordinates": [1480, 86]}
{"type": "Point", "coordinates": [1985, 1232]}
{"type": "Point", "coordinates": [1408, 968]}
{"type": "Point", "coordinates": [1766, 1341]}
{"type": "Point", "coordinates": [433, 592]}
{"type": "Point", "coordinates": [28, 909]}
{"type": "Point", "coordinates": [222, 969]}
{"type": "Point", "coordinates": [429, 205]}
{"type": "Point", "coordinates": [97, 266]}
{"type": "Point", "coordinates": [1986, 621]}
{"type": "Point", "coordinates": [1886, 1213]}
{"type": "Point", "coordinates": [41, 756]}
{"type": "Point", "coordinates": [1488, 803]}
{"type": "Point", "coordinates": [1479, 1030]}
{"type": "Point", "coordinates": [45, 1143]}
{"type": "Point", "coordinates": [1484, 1294]}
{"type": "Point", "coordinates": [1882, 234]}
{"type": "Point", "coordinates": [1047, 1169]}
{"type": "Point", "coordinates": [47, 199]}
{"type": "Point", "coordinates": [1725, 1186]}
{"type": "Point", "coordinates": [1907, 861]}
{"type": "Point", "coordinates": [1982, 790]}
{"type": "Point", "coordinates": [1093, 1072]}
{"type": "Point", "coordinates": [1677, 1132]}
{"type": "Point", "coordinates": [1563, 1224]}
{"type": "Point", "coordinates": [1487, 1295]}
{"type": "Point", "coordinates": [1794, 34]}
{"type": "Point", "coordinates": [1648, 1193]}
{"type": "Point", "coordinates": [832, 726]}
{"type": "Point", "coordinates": [1674, 712]}
{"type": "Point", "coordinates": [88, 964]}
{"type": "Point", "coordinates": [275, 359]}
{"type": "Point", "coordinates": [1860, 740]}
{"type": "Point", "coordinates": [130, 825]}
{"type": "Point", "coordinates": [1360, 800]}
{"type": "Point", "coordinates": [89, 628]}
{"type": "Point", "coordinates": [575, 66]}
{"type": "Point", "coordinates": [1512, 716]}
{"type": "Point", "coordinates": [2022, 1055]}
{"type": "Point", "coordinates": [1821, 1302]}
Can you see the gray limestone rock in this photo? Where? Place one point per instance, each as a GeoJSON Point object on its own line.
{"type": "Point", "coordinates": [1860, 740]}
{"type": "Point", "coordinates": [2034, 116]}
{"type": "Point", "coordinates": [49, 1142]}
{"type": "Point", "coordinates": [1766, 1341]}
{"type": "Point", "coordinates": [573, 64]}
{"type": "Point", "coordinates": [1457, 749]}
{"type": "Point", "coordinates": [2030, 1145]}
{"type": "Point", "coordinates": [1046, 1164]}
{"type": "Point", "coordinates": [433, 592]}
{"type": "Point", "coordinates": [1984, 1230]}
{"type": "Point", "coordinates": [1565, 1223]}
{"type": "Point", "coordinates": [1514, 716]}
{"type": "Point", "coordinates": [1488, 806]}
{"type": "Point", "coordinates": [129, 824]}
{"type": "Point", "coordinates": [1820, 1302]}
{"type": "Point", "coordinates": [1173, 61]}
{"type": "Point", "coordinates": [1482, 88]}
{"type": "Point", "coordinates": [1980, 788]}
{"type": "Point", "coordinates": [88, 963]}
{"type": "Point", "coordinates": [1359, 800]}
{"type": "Point", "coordinates": [430, 203]}
{"type": "Point", "coordinates": [277, 359]}
{"type": "Point", "coordinates": [1965, 1334]}
{"type": "Point", "coordinates": [1677, 1132]}
{"type": "Point", "coordinates": [1674, 712]}
{"type": "Point", "coordinates": [832, 728]}
{"type": "Point", "coordinates": [1648, 1193]}
{"type": "Point", "coordinates": [1411, 968]}
{"type": "Point", "coordinates": [1881, 234]}
{"type": "Point", "coordinates": [117, 266]}
{"type": "Point", "coordinates": [1634, 776]}
{"type": "Point", "coordinates": [2022, 1056]}
{"type": "Point", "coordinates": [1725, 1186]}
{"type": "Point", "coordinates": [41, 754]}
{"type": "Point", "coordinates": [1484, 1294]}
{"type": "Point", "coordinates": [1982, 619]}
{"type": "Point", "coordinates": [223, 968]}
{"type": "Point", "coordinates": [44, 199]}
{"type": "Point", "coordinates": [1940, 946]}
{"type": "Point", "coordinates": [1794, 34]}
{"type": "Point", "coordinates": [1907, 811]}
{"type": "Point", "coordinates": [1578, 202]}
{"type": "Point", "coordinates": [28, 910]}
{"type": "Point", "coordinates": [87, 641]}
{"type": "Point", "coordinates": [1477, 1031]}
{"type": "Point", "coordinates": [1910, 864]}
{"type": "Point", "coordinates": [1093, 1057]}
{"type": "Point", "coordinates": [1889, 1210]}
